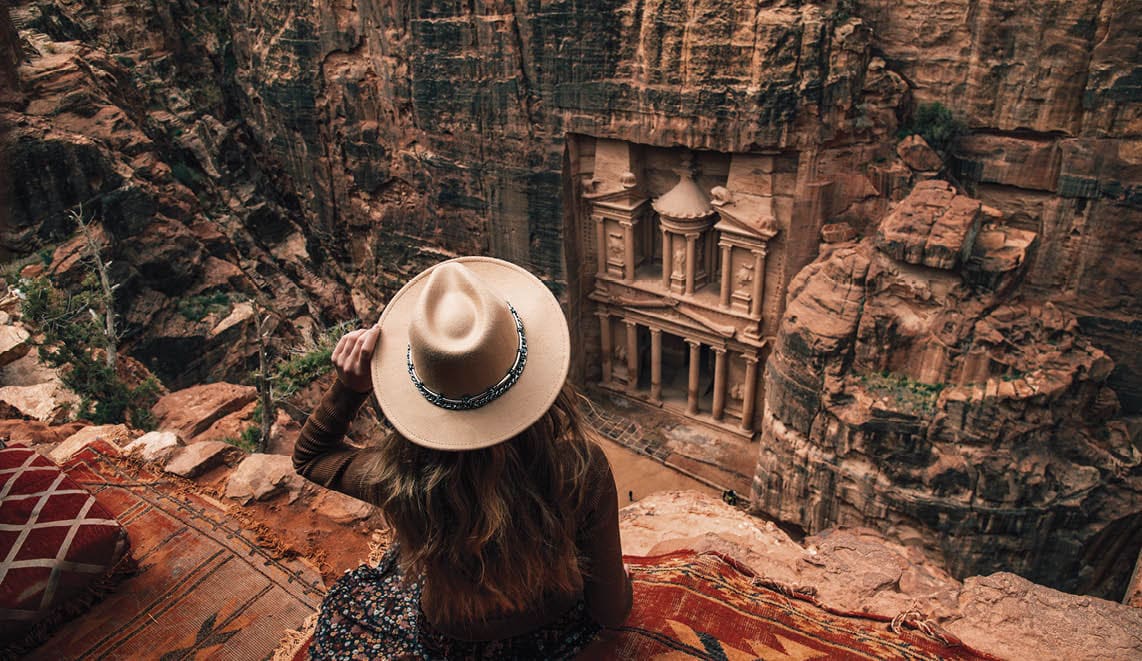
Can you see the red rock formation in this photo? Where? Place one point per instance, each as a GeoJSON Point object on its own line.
{"type": "Point", "coordinates": [327, 151]}
{"type": "Point", "coordinates": [970, 423]}
{"type": "Point", "coordinates": [10, 54]}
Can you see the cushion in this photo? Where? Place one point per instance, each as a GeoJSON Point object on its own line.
{"type": "Point", "coordinates": [58, 546]}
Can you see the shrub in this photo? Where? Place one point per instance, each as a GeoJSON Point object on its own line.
{"type": "Point", "coordinates": [73, 339]}
{"type": "Point", "coordinates": [936, 124]}
{"type": "Point", "coordinates": [247, 442]}
{"type": "Point", "coordinates": [909, 395]}
{"type": "Point", "coordinates": [195, 308]}
{"type": "Point", "coordinates": [307, 363]}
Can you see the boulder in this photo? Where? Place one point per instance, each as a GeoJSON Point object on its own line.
{"type": "Point", "coordinates": [933, 226]}
{"type": "Point", "coordinates": [339, 508]}
{"type": "Point", "coordinates": [47, 402]}
{"type": "Point", "coordinates": [263, 476]}
{"type": "Point", "coordinates": [13, 343]}
{"type": "Point", "coordinates": [916, 153]}
{"type": "Point", "coordinates": [193, 460]}
{"type": "Point", "coordinates": [1013, 618]}
{"type": "Point", "coordinates": [154, 445]}
{"type": "Point", "coordinates": [116, 435]}
{"type": "Point", "coordinates": [191, 411]}
{"type": "Point", "coordinates": [228, 427]}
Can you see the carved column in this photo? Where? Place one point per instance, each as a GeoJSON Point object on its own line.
{"type": "Point", "coordinates": [727, 252]}
{"type": "Point", "coordinates": [750, 393]}
{"type": "Point", "coordinates": [719, 382]}
{"type": "Point", "coordinates": [632, 355]}
{"type": "Point", "coordinates": [667, 259]}
{"type": "Point", "coordinates": [601, 244]}
{"type": "Point", "coordinates": [608, 348]}
{"type": "Point", "coordinates": [692, 386]}
{"type": "Point", "coordinates": [628, 250]}
{"type": "Point", "coordinates": [656, 364]}
{"type": "Point", "coordinates": [758, 282]}
{"type": "Point", "coordinates": [691, 259]}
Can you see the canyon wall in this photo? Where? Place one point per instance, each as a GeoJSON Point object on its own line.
{"type": "Point", "coordinates": [320, 153]}
{"type": "Point", "coordinates": [913, 388]}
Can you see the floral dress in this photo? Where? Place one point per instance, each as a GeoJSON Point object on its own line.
{"type": "Point", "coordinates": [372, 613]}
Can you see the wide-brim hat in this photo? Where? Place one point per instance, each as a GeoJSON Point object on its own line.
{"type": "Point", "coordinates": [472, 352]}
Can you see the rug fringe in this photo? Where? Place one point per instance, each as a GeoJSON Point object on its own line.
{"type": "Point", "coordinates": [292, 641]}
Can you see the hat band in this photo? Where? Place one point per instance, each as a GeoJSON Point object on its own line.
{"type": "Point", "coordinates": [469, 402]}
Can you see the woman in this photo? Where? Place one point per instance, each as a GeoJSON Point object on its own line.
{"type": "Point", "coordinates": [505, 515]}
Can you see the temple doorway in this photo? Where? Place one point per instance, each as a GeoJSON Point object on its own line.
{"type": "Point", "coordinates": [676, 374]}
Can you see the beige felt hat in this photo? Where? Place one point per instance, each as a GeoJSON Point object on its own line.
{"type": "Point", "coordinates": [472, 352]}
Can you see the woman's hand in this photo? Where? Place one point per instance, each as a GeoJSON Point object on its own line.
{"type": "Point", "coordinates": [353, 357]}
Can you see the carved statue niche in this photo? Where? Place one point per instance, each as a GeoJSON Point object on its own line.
{"type": "Point", "coordinates": [737, 390]}
{"type": "Point", "coordinates": [615, 246]}
{"type": "Point", "coordinates": [621, 353]}
{"type": "Point", "coordinates": [679, 262]}
{"type": "Point", "coordinates": [743, 277]}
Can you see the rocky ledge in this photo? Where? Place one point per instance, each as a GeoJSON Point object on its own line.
{"type": "Point", "coordinates": [912, 389]}
{"type": "Point", "coordinates": [858, 570]}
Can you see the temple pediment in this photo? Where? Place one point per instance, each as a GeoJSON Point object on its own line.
{"type": "Point", "coordinates": [751, 215]}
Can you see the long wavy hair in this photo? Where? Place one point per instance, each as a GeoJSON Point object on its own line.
{"type": "Point", "coordinates": [491, 530]}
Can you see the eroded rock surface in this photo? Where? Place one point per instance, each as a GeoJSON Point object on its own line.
{"type": "Point", "coordinates": [192, 411]}
{"type": "Point", "coordinates": [153, 446]}
{"type": "Point", "coordinates": [858, 570]}
{"type": "Point", "coordinates": [904, 394]}
{"type": "Point", "coordinates": [192, 460]}
{"type": "Point", "coordinates": [262, 476]}
{"type": "Point", "coordinates": [326, 152]}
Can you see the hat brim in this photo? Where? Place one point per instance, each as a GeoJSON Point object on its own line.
{"type": "Point", "coordinates": [549, 357]}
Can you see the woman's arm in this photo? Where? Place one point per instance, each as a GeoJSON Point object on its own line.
{"type": "Point", "coordinates": [321, 454]}
{"type": "Point", "coordinates": [606, 587]}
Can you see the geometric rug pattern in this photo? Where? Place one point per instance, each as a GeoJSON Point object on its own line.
{"type": "Point", "coordinates": [58, 546]}
{"type": "Point", "coordinates": [207, 587]}
{"type": "Point", "coordinates": [707, 606]}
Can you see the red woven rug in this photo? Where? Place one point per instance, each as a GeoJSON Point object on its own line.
{"type": "Point", "coordinates": [706, 606]}
{"type": "Point", "coordinates": [208, 586]}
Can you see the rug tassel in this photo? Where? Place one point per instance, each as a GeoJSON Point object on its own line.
{"type": "Point", "coordinates": [915, 620]}
{"type": "Point", "coordinates": [292, 641]}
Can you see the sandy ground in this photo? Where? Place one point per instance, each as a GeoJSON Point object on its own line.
{"type": "Point", "coordinates": [638, 476]}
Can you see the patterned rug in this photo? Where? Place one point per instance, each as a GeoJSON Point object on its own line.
{"type": "Point", "coordinates": [707, 606]}
{"type": "Point", "coordinates": [61, 550]}
{"type": "Point", "coordinates": [209, 585]}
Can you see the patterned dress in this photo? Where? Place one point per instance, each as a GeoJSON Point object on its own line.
{"type": "Point", "coordinates": [371, 613]}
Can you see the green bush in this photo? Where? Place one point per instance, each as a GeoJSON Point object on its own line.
{"type": "Point", "coordinates": [908, 394]}
{"type": "Point", "coordinates": [195, 308]}
{"type": "Point", "coordinates": [306, 364]}
{"type": "Point", "coordinates": [247, 442]}
{"type": "Point", "coordinates": [936, 124]}
{"type": "Point", "coordinates": [74, 342]}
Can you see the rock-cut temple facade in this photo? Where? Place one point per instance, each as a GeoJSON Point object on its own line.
{"type": "Point", "coordinates": [687, 251]}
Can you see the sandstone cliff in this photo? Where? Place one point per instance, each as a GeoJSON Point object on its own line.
{"type": "Point", "coordinates": [911, 390]}
{"type": "Point", "coordinates": [355, 142]}
{"type": "Point", "coordinates": [321, 153]}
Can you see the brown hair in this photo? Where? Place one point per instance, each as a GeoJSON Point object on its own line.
{"type": "Point", "coordinates": [491, 530]}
